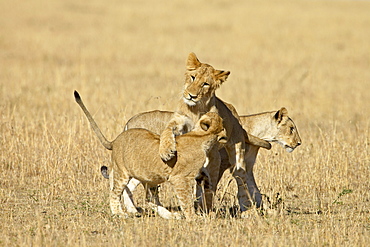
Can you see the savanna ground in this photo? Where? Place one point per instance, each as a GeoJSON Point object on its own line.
{"type": "Point", "coordinates": [125, 57]}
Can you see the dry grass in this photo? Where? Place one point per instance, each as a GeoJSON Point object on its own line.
{"type": "Point", "coordinates": [126, 57]}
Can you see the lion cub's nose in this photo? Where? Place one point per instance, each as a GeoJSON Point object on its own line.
{"type": "Point", "coordinates": [191, 96]}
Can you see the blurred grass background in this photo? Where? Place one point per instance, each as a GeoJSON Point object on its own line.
{"type": "Point", "coordinates": [125, 57]}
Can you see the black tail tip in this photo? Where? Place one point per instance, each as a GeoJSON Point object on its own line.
{"type": "Point", "coordinates": [77, 95]}
{"type": "Point", "coordinates": [104, 172]}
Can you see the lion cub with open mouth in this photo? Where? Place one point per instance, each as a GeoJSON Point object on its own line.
{"type": "Point", "coordinates": [135, 155]}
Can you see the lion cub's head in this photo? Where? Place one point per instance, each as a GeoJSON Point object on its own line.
{"type": "Point", "coordinates": [211, 123]}
{"type": "Point", "coordinates": [201, 81]}
{"type": "Point", "coordinates": [287, 134]}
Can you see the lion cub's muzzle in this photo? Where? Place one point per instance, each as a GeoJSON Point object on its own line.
{"type": "Point", "coordinates": [190, 99]}
{"type": "Point", "coordinates": [289, 148]}
{"type": "Point", "coordinates": [221, 137]}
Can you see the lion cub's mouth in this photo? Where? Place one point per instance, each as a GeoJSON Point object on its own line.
{"type": "Point", "coordinates": [288, 148]}
{"type": "Point", "coordinates": [222, 139]}
{"type": "Point", "coordinates": [189, 102]}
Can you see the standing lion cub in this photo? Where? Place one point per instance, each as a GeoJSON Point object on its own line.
{"type": "Point", "coordinates": [135, 155]}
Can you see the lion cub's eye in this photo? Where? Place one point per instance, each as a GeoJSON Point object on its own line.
{"type": "Point", "coordinates": [205, 84]}
{"type": "Point", "coordinates": [192, 78]}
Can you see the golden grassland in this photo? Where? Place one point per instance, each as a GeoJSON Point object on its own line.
{"type": "Point", "coordinates": [125, 57]}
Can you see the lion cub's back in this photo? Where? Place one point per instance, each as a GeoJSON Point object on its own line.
{"type": "Point", "coordinates": [137, 151]}
{"type": "Point", "coordinates": [154, 121]}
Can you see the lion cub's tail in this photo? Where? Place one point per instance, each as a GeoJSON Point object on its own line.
{"type": "Point", "coordinates": [107, 144]}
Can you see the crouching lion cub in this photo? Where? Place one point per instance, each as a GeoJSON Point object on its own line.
{"type": "Point", "coordinates": [135, 155]}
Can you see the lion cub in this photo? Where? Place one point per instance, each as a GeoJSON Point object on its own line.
{"type": "Point", "coordinates": [135, 155]}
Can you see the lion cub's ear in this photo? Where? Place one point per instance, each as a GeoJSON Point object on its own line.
{"type": "Point", "coordinates": [205, 123]}
{"type": "Point", "coordinates": [280, 114]}
{"type": "Point", "coordinates": [221, 76]}
{"type": "Point", "coordinates": [192, 63]}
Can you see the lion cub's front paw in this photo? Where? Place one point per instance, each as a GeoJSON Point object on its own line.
{"type": "Point", "coordinates": [167, 146]}
{"type": "Point", "coordinates": [167, 153]}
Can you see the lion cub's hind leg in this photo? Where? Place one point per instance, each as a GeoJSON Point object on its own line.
{"type": "Point", "coordinates": [118, 182]}
{"type": "Point", "coordinates": [152, 198]}
{"type": "Point", "coordinates": [236, 155]}
{"type": "Point", "coordinates": [164, 213]}
{"type": "Point", "coordinates": [128, 198]}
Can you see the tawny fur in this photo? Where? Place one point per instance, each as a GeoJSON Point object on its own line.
{"type": "Point", "coordinates": [273, 126]}
{"type": "Point", "coordinates": [135, 155]}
